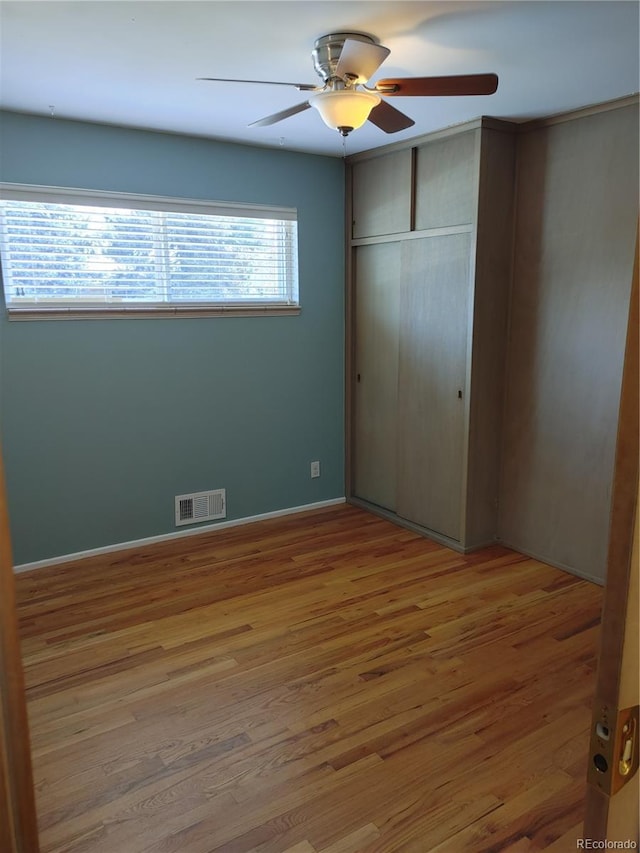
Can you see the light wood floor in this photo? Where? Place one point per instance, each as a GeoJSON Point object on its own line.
{"type": "Point", "coordinates": [324, 683]}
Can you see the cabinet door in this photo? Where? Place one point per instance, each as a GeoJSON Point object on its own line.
{"type": "Point", "coordinates": [382, 195]}
{"type": "Point", "coordinates": [434, 308]}
{"type": "Point", "coordinates": [377, 298]}
{"type": "Point", "coordinates": [447, 181]}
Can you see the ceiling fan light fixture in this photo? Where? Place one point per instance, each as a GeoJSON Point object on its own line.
{"type": "Point", "coordinates": [344, 110]}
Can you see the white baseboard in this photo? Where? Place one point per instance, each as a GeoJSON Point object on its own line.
{"type": "Point", "coordinates": [166, 537]}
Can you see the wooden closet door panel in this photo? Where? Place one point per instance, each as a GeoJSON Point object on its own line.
{"type": "Point", "coordinates": [377, 299]}
{"type": "Point", "coordinates": [447, 181]}
{"type": "Point", "coordinates": [434, 306]}
{"type": "Point", "coordinates": [382, 195]}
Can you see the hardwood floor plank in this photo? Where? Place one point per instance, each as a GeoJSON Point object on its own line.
{"type": "Point", "coordinates": [321, 683]}
{"type": "Point", "coordinates": [512, 821]}
{"type": "Point", "coordinates": [355, 841]}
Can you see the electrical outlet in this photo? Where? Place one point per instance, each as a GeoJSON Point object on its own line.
{"type": "Point", "coordinates": [315, 469]}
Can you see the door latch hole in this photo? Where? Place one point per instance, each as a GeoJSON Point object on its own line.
{"type": "Point", "coordinates": [600, 763]}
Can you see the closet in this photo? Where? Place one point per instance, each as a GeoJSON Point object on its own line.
{"type": "Point", "coordinates": [430, 251]}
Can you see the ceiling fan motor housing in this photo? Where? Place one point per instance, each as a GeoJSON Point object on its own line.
{"type": "Point", "coordinates": [327, 49]}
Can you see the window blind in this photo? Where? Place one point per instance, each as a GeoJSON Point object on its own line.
{"type": "Point", "coordinates": [123, 252]}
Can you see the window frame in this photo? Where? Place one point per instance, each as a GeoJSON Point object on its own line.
{"type": "Point", "coordinates": [135, 201]}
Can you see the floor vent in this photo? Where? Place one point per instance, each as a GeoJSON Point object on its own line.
{"type": "Point", "coordinates": [200, 506]}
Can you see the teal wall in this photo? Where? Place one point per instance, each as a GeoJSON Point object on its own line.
{"type": "Point", "coordinates": [105, 421]}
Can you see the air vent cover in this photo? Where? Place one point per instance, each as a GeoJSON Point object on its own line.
{"type": "Point", "coordinates": [200, 506]}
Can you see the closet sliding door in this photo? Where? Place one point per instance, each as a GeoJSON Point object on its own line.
{"type": "Point", "coordinates": [377, 302]}
{"type": "Point", "coordinates": [434, 318]}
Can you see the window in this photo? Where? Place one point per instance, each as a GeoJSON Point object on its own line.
{"type": "Point", "coordinates": [77, 253]}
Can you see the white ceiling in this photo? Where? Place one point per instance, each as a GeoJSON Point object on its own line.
{"type": "Point", "coordinates": [136, 63]}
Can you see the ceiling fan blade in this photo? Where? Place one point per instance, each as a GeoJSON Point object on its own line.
{"type": "Point", "coordinates": [389, 119]}
{"type": "Point", "coordinates": [462, 84]}
{"type": "Point", "coordinates": [275, 117]}
{"type": "Point", "coordinates": [301, 87]}
{"type": "Point", "coordinates": [360, 59]}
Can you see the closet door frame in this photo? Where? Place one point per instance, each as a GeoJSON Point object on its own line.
{"type": "Point", "coordinates": [18, 824]}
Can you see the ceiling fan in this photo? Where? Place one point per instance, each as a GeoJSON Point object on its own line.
{"type": "Point", "coordinates": [345, 62]}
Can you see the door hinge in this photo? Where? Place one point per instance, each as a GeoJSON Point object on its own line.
{"type": "Point", "coordinates": [613, 758]}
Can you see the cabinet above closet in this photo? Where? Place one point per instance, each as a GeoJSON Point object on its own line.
{"type": "Point", "coordinates": [381, 198]}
